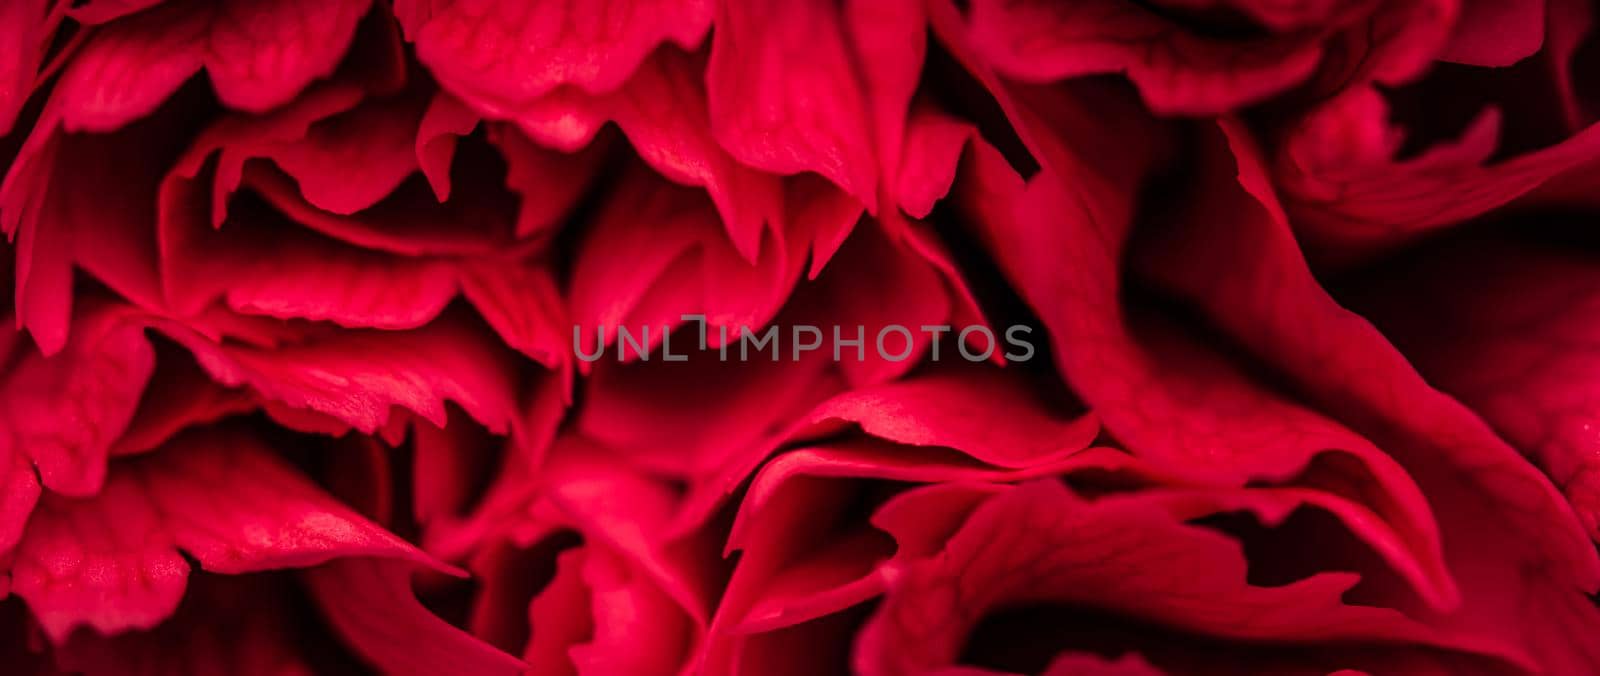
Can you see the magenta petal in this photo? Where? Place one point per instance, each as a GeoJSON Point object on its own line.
{"type": "Point", "coordinates": [357, 377]}
{"type": "Point", "coordinates": [27, 25]}
{"type": "Point", "coordinates": [1496, 32]}
{"type": "Point", "coordinates": [258, 56]}
{"type": "Point", "coordinates": [112, 561]}
{"type": "Point", "coordinates": [206, 635]}
{"type": "Point", "coordinates": [1469, 475]}
{"type": "Point", "coordinates": [783, 113]}
{"type": "Point", "coordinates": [65, 411]}
{"type": "Point", "coordinates": [550, 182]}
{"type": "Point", "coordinates": [1351, 199]}
{"type": "Point", "coordinates": [512, 52]}
{"type": "Point", "coordinates": [1176, 71]}
{"type": "Point", "coordinates": [956, 409]}
{"type": "Point", "coordinates": [370, 602]}
{"type": "Point", "coordinates": [1039, 543]}
{"type": "Point", "coordinates": [249, 66]}
{"type": "Point", "coordinates": [445, 120]}
{"type": "Point", "coordinates": [1500, 326]}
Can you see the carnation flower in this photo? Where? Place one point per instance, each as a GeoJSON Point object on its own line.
{"type": "Point", "coordinates": [742, 337]}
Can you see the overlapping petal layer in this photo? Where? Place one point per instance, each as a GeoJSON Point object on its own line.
{"type": "Point", "coordinates": [743, 337]}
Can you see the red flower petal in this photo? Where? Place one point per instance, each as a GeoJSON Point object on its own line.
{"type": "Point", "coordinates": [358, 376]}
{"type": "Point", "coordinates": [259, 55]}
{"type": "Point", "coordinates": [550, 182]}
{"type": "Point", "coordinates": [663, 112]}
{"type": "Point", "coordinates": [28, 26]}
{"type": "Point", "coordinates": [1501, 326]}
{"type": "Point", "coordinates": [1177, 71]}
{"type": "Point", "coordinates": [94, 12]}
{"type": "Point", "coordinates": [919, 286]}
{"type": "Point", "coordinates": [112, 561]}
{"type": "Point", "coordinates": [445, 120]}
{"type": "Point", "coordinates": [888, 46]}
{"type": "Point", "coordinates": [205, 635]}
{"type": "Point", "coordinates": [783, 96]}
{"type": "Point", "coordinates": [1350, 198]}
{"type": "Point", "coordinates": [599, 616]}
{"type": "Point", "coordinates": [656, 413]}
{"type": "Point", "coordinates": [1039, 543]}
{"type": "Point", "coordinates": [449, 464]}
{"type": "Point", "coordinates": [132, 65]}
{"type": "Point", "coordinates": [311, 277]}
{"type": "Point", "coordinates": [600, 71]}
{"type": "Point", "coordinates": [370, 602]}
{"type": "Point", "coordinates": [19, 487]}
{"type": "Point", "coordinates": [957, 408]}
{"type": "Point", "coordinates": [185, 397]}
{"type": "Point", "coordinates": [521, 302]}
{"type": "Point", "coordinates": [1496, 32]}
{"type": "Point", "coordinates": [1481, 490]}
{"type": "Point", "coordinates": [56, 230]}
{"type": "Point", "coordinates": [632, 573]}
{"type": "Point", "coordinates": [632, 278]}
{"type": "Point", "coordinates": [375, 287]}
{"type": "Point", "coordinates": [64, 412]}
{"type": "Point", "coordinates": [1164, 395]}
{"type": "Point", "coordinates": [798, 564]}
{"type": "Point", "coordinates": [348, 162]}
{"type": "Point", "coordinates": [934, 142]}
{"type": "Point", "coordinates": [563, 615]}
{"type": "Point", "coordinates": [815, 206]}
{"type": "Point", "coordinates": [513, 52]}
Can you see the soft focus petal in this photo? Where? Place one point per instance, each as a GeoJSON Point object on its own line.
{"type": "Point", "coordinates": [1038, 543]}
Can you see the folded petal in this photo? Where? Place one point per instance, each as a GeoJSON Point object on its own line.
{"type": "Point", "coordinates": [311, 276]}
{"type": "Point", "coordinates": [1159, 389]}
{"type": "Point", "coordinates": [109, 237]}
{"type": "Point", "coordinates": [94, 12]}
{"type": "Point", "coordinates": [445, 120]}
{"type": "Point", "coordinates": [1177, 70]}
{"type": "Point", "coordinates": [644, 279]}
{"type": "Point", "coordinates": [663, 111]}
{"type": "Point", "coordinates": [64, 412]}
{"type": "Point", "coordinates": [626, 574]}
{"type": "Point", "coordinates": [1038, 543]}
{"type": "Point", "coordinates": [656, 412]}
{"type": "Point", "coordinates": [513, 52]}
{"type": "Point", "coordinates": [112, 561]}
{"type": "Point", "coordinates": [600, 64]}
{"type": "Point", "coordinates": [186, 397]}
{"type": "Point", "coordinates": [918, 289]}
{"type": "Point", "coordinates": [348, 162]}
{"type": "Point", "coordinates": [549, 182]}
{"type": "Point", "coordinates": [1351, 199]}
{"type": "Point", "coordinates": [358, 376]}
{"type": "Point", "coordinates": [259, 55]}
{"type": "Point", "coordinates": [783, 96]}
{"type": "Point", "coordinates": [1481, 490]}
{"type": "Point", "coordinates": [1501, 326]}
{"type": "Point", "coordinates": [1496, 32]}
{"type": "Point", "coordinates": [370, 603]}
{"type": "Point", "coordinates": [519, 299]}
{"type": "Point", "coordinates": [934, 142]}
{"type": "Point", "coordinates": [632, 626]}
{"type": "Point", "coordinates": [957, 408]}
{"type": "Point", "coordinates": [205, 635]}
{"type": "Point", "coordinates": [28, 25]}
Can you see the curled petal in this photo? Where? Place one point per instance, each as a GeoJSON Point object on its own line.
{"type": "Point", "coordinates": [112, 561]}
